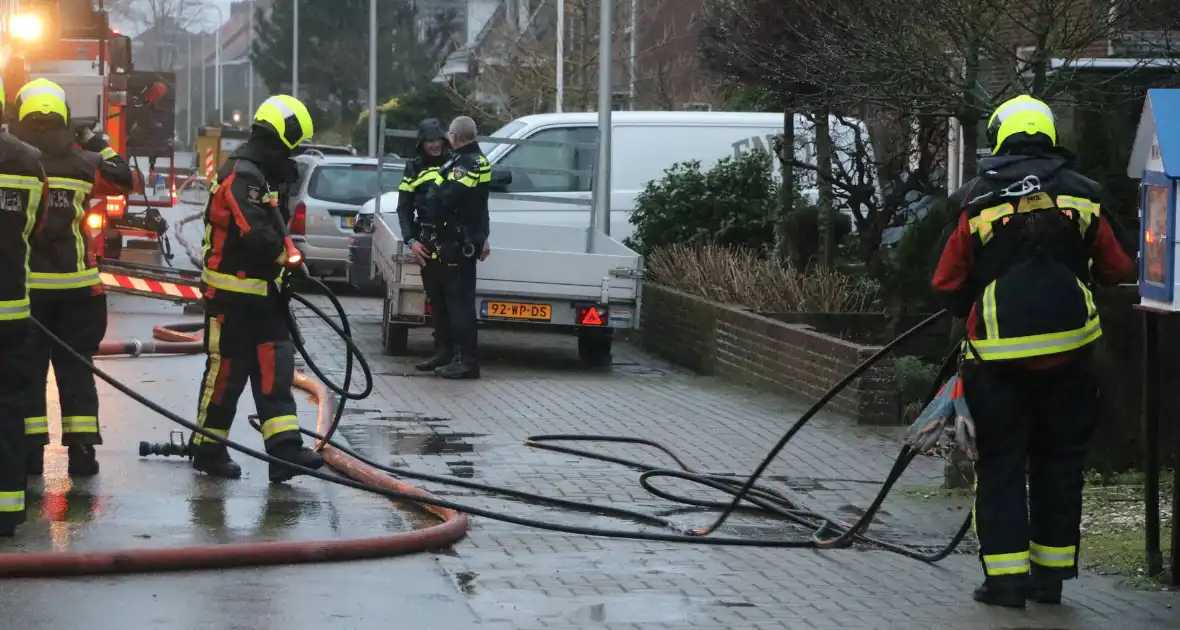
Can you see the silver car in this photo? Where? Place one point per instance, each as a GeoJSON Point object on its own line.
{"type": "Point", "coordinates": [323, 210]}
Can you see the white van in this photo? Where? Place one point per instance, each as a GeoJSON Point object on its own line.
{"type": "Point", "coordinates": [644, 146]}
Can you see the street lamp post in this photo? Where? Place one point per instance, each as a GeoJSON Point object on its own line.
{"type": "Point", "coordinates": [250, 63]}
{"type": "Point", "coordinates": [295, 51]}
{"type": "Point", "coordinates": [204, 81]}
{"type": "Point", "coordinates": [374, 141]}
{"type": "Point", "coordinates": [560, 101]}
{"type": "Point", "coordinates": [219, 87]}
{"type": "Point", "coordinates": [188, 114]}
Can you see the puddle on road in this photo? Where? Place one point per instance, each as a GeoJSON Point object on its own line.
{"type": "Point", "coordinates": [384, 438]}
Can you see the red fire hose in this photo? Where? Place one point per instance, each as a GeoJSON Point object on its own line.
{"type": "Point", "coordinates": [181, 339]}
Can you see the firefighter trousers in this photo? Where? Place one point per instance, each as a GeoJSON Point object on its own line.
{"type": "Point", "coordinates": [81, 323]}
{"type": "Point", "coordinates": [1034, 422]}
{"type": "Point", "coordinates": [248, 343]}
{"type": "Point", "coordinates": [15, 383]}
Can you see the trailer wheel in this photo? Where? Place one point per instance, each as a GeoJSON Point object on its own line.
{"type": "Point", "coordinates": [594, 346]}
{"type": "Point", "coordinates": [113, 247]}
{"type": "Point", "coordinates": [395, 338]}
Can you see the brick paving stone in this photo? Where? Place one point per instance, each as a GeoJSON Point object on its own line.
{"type": "Point", "coordinates": [515, 577]}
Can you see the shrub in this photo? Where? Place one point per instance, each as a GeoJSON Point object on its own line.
{"type": "Point", "coordinates": [742, 276]}
{"type": "Point", "coordinates": [913, 379]}
{"type": "Point", "coordinates": [732, 204]}
{"type": "Point", "coordinates": [914, 258]}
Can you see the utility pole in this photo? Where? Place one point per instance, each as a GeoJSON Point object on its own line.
{"type": "Point", "coordinates": [374, 141]}
{"type": "Point", "coordinates": [204, 81]}
{"type": "Point", "coordinates": [560, 56]}
{"type": "Point", "coordinates": [633, 53]}
{"type": "Point", "coordinates": [602, 187]}
{"type": "Point", "coordinates": [250, 64]}
{"type": "Point", "coordinates": [188, 114]}
{"type": "Point", "coordinates": [295, 52]}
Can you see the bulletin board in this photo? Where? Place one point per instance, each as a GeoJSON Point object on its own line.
{"type": "Point", "coordinates": [1158, 235]}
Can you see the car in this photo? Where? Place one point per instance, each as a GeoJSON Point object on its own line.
{"type": "Point", "coordinates": [324, 206]}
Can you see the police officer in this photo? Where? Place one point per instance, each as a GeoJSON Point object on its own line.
{"type": "Point", "coordinates": [462, 204]}
{"type": "Point", "coordinates": [1033, 236]}
{"type": "Point", "coordinates": [246, 333]}
{"type": "Point", "coordinates": [67, 294]}
{"type": "Point", "coordinates": [420, 230]}
{"type": "Point", "coordinates": [21, 194]}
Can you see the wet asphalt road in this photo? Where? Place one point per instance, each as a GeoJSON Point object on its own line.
{"type": "Point", "coordinates": [159, 502]}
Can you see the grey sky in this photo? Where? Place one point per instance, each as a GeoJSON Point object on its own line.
{"type": "Point", "coordinates": [208, 24]}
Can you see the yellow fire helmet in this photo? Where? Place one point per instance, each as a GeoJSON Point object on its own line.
{"type": "Point", "coordinates": [287, 117]}
{"type": "Point", "coordinates": [1023, 114]}
{"type": "Point", "coordinates": [42, 96]}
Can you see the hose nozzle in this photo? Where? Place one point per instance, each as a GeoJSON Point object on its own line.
{"type": "Point", "coordinates": [176, 445]}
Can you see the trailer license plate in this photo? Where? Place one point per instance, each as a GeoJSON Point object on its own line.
{"type": "Point", "coordinates": [348, 222]}
{"type": "Point", "coordinates": [516, 310]}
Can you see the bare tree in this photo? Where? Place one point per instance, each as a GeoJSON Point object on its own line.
{"type": "Point", "coordinates": [515, 66]}
{"type": "Point", "coordinates": [904, 68]}
{"type": "Point", "coordinates": [163, 24]}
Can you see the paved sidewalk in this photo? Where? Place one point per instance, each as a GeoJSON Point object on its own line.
{"type": "Point", "coordinates": [520, 578]}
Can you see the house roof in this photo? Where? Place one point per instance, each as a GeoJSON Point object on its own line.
{"type": "Point", "coordinates": [1157, 142]}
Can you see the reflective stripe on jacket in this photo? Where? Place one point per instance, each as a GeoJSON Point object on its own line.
{"type": "Point", "coordinates": [22, 188]}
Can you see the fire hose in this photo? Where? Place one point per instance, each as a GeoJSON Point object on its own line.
{"type": "Point", "coordinates": [829, 531]}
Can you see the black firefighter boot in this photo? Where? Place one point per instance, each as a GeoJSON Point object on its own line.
{"type": "Point", "coordinates": [296, 453]}
{"type": "Point", "coordinates": [1010, 593]}
{"type": "Point", "coordinates": [443, 354]}
{"type": "Point", "coordinates": [83, 460]}
{"type": "Point", "coordinates": [214, 460]}
{"type": "Point", "coordinates": [461, 367]}
{"type": "Point", "coordinates": [1046, 587]}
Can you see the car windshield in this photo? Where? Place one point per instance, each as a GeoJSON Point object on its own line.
{"type": "Point", "coordinates": [351, 184]}
{"type": "Point", "coordinates": [503, 132]}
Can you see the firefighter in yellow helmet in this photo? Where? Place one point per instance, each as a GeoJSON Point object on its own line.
{"type": "Point", "coordinates": [22, 187]}
{"type": "Point", "coordinates": [66, 292]}
{"type": "Point", "coordinates": [1032, 239]}
{"type": "Point", "coordinates": [246, 334]}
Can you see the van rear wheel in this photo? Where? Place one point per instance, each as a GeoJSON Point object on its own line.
{"type": "Point", "coordinates": [594, 346]}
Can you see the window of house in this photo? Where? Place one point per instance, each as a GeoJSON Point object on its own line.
{"type": "Point", "coordinates": [536, 168]}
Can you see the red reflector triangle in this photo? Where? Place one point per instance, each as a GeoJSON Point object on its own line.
{"type": "Point", "coordinates": [591, 318]}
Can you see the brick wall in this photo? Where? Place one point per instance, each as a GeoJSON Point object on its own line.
{"type": "Point", "coordinates": [744, 347]}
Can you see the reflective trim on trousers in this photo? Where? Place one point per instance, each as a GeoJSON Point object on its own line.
{"type": "Point", "coordinates": [70, 280]}
{"type": "Point", "coordinates": [79, 424]}
{"type": "Point", "coordinates": [1054, 557]}
{"type": "Point", "coordinates": [201, 439]}
{"type": "Point", "coordinates": [279, 424]}
{"type": "Point", "coordinates": [13, 501]}
{"type": "Point", "coordinates": [1006, 563]}
{"type": "Point", "coordinates": [37, 425]}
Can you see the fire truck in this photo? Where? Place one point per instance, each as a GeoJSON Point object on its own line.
{"type": "Point", "coordinates": [71, 43]}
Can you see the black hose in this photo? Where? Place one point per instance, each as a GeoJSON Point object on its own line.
{"type": "Point", "coordinates": [344, 332]}
{"type": "Point", "coordinates": [767, 499]}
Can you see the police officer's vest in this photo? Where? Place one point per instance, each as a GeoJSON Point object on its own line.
{"type": "Point", "coordinates": [232, 269]}
{"type": "Point", "coordinates": [21, 195]}
{"type": "Point", "coordinates": [60, 265]}
{"type": "Point", "coordinates": [1031, 271]}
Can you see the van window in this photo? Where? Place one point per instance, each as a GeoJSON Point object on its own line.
{"type": "Point", "coordinates": [503, 132]}
{"type": "Point", "coordinates": [522, 159]}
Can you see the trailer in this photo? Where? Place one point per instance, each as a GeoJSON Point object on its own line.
{"type": "Point", "coordinates": [555, 278]}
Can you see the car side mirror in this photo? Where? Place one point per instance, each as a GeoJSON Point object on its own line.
{"type": "Point", "coordinates": [500, 181]}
